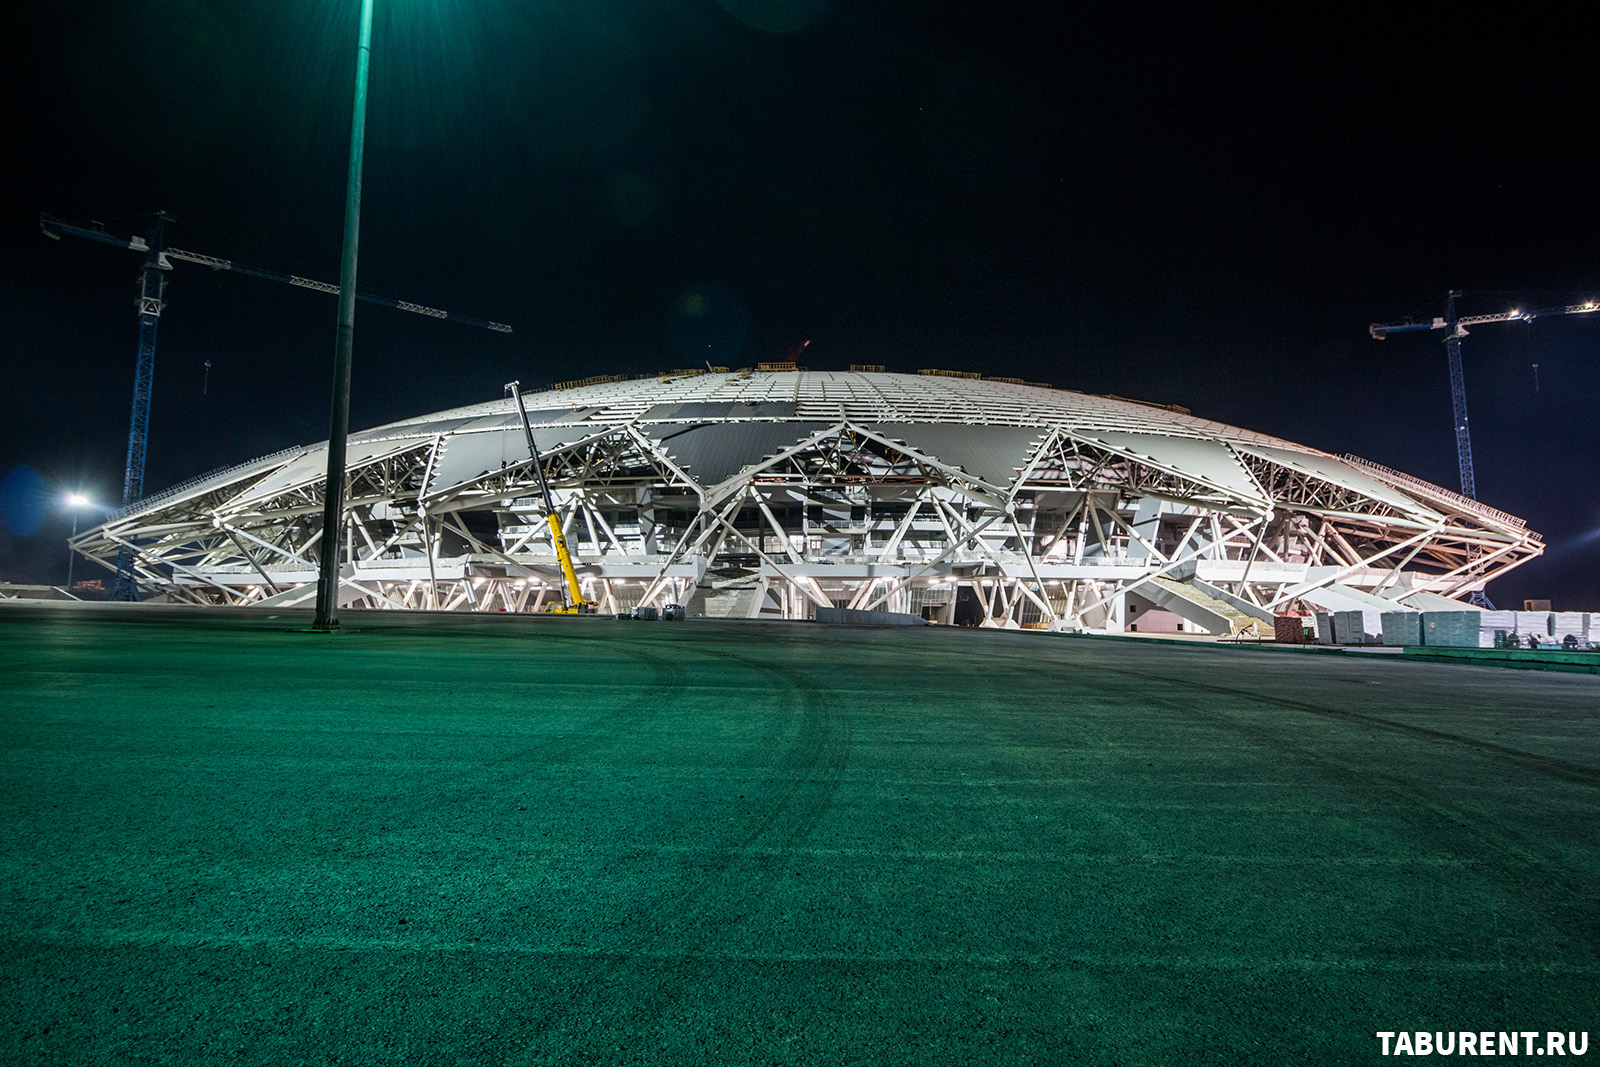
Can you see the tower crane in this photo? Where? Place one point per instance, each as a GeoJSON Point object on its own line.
{"type": "Point", "coordinates": [1456, 329]}
{"type": "Point", "coordinates": [572, 600]}
{"type": "Point", "coordinates": [152, 288]}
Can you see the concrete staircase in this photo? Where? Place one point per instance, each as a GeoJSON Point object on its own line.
{"type": "Point", "coordinates": [1210, 613]}
{"type": "Point", "coordinates": [725, 594]}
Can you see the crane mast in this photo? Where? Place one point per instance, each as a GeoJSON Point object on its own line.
{"type": "Point", "coordinates": [1458, 398]}
{"type": "Point", "coordinates": [152, 286]}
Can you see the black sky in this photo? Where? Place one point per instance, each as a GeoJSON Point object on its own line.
{"type": "Point", "coordinates": [1189, 205]}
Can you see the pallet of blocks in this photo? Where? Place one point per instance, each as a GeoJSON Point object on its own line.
{"type": "Point", "coordinates": [1454, 629]}
{"type": "Point", "coordinates": [1357, 627]}
{"type": "Point", "coordinates": [1401, 628]}
{"type": "Point", "coordinates": [1291, 630]}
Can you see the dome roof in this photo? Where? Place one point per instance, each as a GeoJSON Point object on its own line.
{"type": "Point", "coordinates": [715, 427]}
{"type": "Point", "coordinates": [822, 487]}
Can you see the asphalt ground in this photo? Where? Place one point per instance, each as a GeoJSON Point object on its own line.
{"type": "Point", "coordinates": [510, 840]}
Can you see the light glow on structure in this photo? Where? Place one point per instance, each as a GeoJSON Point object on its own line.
{"type": "Point", "coordinates": [759, 494]}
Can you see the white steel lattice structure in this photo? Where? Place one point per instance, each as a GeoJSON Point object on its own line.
{"type": "Point", "coordinates": [768, 494]}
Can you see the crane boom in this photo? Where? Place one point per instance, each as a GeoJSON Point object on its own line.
{"type": "Point", "coordinates": [54, 227]}
{"type": "Point", "coordinates": [573, 602]}
{"type": "Point", "coordinates": [1380, 331]}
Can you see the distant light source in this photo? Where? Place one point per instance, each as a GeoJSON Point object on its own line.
{"type": "Point", "coordinates": [75, 501]}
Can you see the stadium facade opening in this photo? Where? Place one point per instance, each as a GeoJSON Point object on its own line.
{"type": "Point", "coordinates": [767, 494]}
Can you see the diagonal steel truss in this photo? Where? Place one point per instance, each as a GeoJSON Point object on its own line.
{"type": "Point", "coordinates": [849, 515]}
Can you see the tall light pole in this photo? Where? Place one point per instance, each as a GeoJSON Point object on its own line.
{"type": "Point", "coordinates": [74, 501]}
{"type": "Point", "coordinates": [339, 421]}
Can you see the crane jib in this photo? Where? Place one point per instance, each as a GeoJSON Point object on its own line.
{"type": "Point", "coordinates": [54, 227]}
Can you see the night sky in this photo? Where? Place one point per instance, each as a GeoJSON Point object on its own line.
{"type": "Point", "coordinates": [1182, 205]}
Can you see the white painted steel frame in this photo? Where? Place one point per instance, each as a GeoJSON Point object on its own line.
{"type": "Point", "coordinates": [1101, 496]}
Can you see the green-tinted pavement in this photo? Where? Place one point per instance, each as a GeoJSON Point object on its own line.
{"type": "Point", "coordinates": [508, 840]}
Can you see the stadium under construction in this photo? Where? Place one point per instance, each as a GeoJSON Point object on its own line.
{"type": "Point", "coordinates": [771, 493]}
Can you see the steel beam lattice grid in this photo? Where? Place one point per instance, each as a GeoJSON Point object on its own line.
{"type": "Point", "coordinates": [770, 494]}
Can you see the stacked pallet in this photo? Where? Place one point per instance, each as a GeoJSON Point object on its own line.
{"type": "Point", "coordinates": [1453, 629]}
{"type": "Point", "coordinates": [1290, 630]}
{"type": "Point", "coordinates": [1402, 628]}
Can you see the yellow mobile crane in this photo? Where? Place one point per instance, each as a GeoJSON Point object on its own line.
{"type": "Point", "coordinates": [572, 602]}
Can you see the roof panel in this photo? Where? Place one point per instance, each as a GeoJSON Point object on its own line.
{"type": "Point", "coordinates": [414, 428]}
{"type": "Point", "coordinates": [1330, 469]}
{"type": "Point", "coordinates": [466, 456]}
{"type": "Point", "coordinates": [509, 419]}
{"type": "Point", "coordinates": [312, 465]}
{"type": "Point", "coordinates": [712, 452]}
{"type": "Point", "coordinates": [992, 453]}
{"type": "Point", "coordinates": [1203, 460]}
{"type": "Point", "coordinates": [721, 409]}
